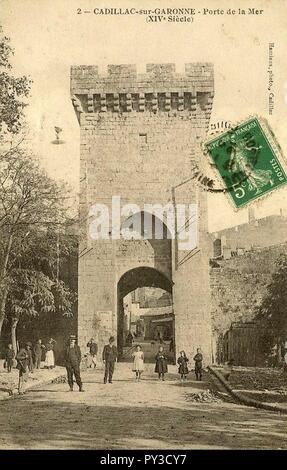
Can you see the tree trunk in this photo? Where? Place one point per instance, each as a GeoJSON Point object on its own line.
{"type": "Point", "coordinates": [14, 324]}
{"type": "Point", "coordinates": [3, 287]}
{"type": "Point", "coordinates": [279, 343]}
{"type": "Point", "coordinates": [3, 297]}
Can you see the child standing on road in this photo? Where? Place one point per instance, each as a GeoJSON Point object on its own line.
{"type": "Point", "coordinates": [161, 363]}
{"type": "Point", "coordinates": [138, 365]}
{"type": "Point", "coordinates": [182, 363]}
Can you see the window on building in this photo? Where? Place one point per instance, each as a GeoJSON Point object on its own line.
{"type": "Point", "coordinates": [143, 139]}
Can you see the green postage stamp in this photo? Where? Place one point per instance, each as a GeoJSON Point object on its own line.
{"type": "Point", "coordinates": [249, 161]}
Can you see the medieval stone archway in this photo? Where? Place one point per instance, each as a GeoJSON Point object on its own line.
{"type": "Point", "coordinates": [151, 245]}
{"type": "Point", "coordinates": [143, 261]}
{"type": "Point", "coordinates": [130, 281]}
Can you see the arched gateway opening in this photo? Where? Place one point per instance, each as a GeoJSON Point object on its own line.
{"type": "Point", "coordinates": [145, 313]}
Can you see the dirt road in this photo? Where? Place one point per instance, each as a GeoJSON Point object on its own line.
{"type": "Point", "coordinates": [130, 415]}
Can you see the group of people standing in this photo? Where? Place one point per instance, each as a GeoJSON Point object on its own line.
{"type": "Point", "coordinates": [183, 365]}
{"type": "Point", "coordinates": [110, 356]}
{"type": "Point", "coordinates": [161, 364]}
{"type": "Point", "coordinates": [28, 358]}
{"type": "Point", "coordinates": [32, 355]}
{"type": "Point", "coordinates": [73, 361]}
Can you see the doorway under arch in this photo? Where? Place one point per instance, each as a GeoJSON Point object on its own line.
{"type": "Point", "coordinates": [129, 282]}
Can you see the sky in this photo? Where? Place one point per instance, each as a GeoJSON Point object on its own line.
{"type": "Point", "coordinates": [49, 36]}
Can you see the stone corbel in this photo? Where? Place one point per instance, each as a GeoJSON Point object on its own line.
{"type": "Point", "coordinates": [167, 104]}
{"type": "Point", "coordinates": [193, 102]}
{"type": "Point", "coordinates": [180, 101]}
{"type": "Point", "coordinates": [116, 103]}
{"type": "Point", "coordinates": [77, 105]}
{"type": "Point", "coordinates": [90, 103]}
{"type": "Point", "coordinates": [103, 103]}
{"type": "Point", "coordinates": [141, 102]}
{"type": "Point", "coordinates": [129, 102]}
{"type": "Point", "coordinates": [154, 102]}
{"type": "Point", "coordinates": [208, 109]}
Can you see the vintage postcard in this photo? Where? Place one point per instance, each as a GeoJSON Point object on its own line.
{"type": "Point", "coordinates": [143, 227]}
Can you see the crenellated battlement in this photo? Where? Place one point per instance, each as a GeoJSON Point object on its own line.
{"type": "Point", "coordinates": [161, 88]}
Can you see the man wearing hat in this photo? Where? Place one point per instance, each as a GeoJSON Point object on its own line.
{"type": "Point", "coordinates": [110, 355]}
{"type": "Point", "coordinates": [73, 361]}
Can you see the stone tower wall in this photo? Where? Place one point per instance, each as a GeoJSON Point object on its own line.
{"type": "Point", "coordinates": [140, 136]}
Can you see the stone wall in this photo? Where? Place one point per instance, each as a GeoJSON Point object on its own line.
{"type": "Point", "coordinates": [257, 233]}
{"type": "Point", "coordinates": [238, 287]}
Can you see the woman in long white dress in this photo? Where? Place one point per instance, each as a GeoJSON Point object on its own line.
{"type": "Point", "coordinates": [138, 365]}
{"type": "Point", "coordinates": [50, 356]}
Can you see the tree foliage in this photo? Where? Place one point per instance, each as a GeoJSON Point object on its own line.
{"type": "Point", "coordinates": [33, 242]}
{"type": "Point", "coordinates": [13, 90]}
{"type": "Point", "coordinates": [273, 311]}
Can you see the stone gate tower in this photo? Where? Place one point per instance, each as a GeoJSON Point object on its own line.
{"type": "Point", "coordinates": [140, 139]}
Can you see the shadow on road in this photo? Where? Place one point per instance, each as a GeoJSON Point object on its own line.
{"type": "Point", "coordinates": [28, 423]}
